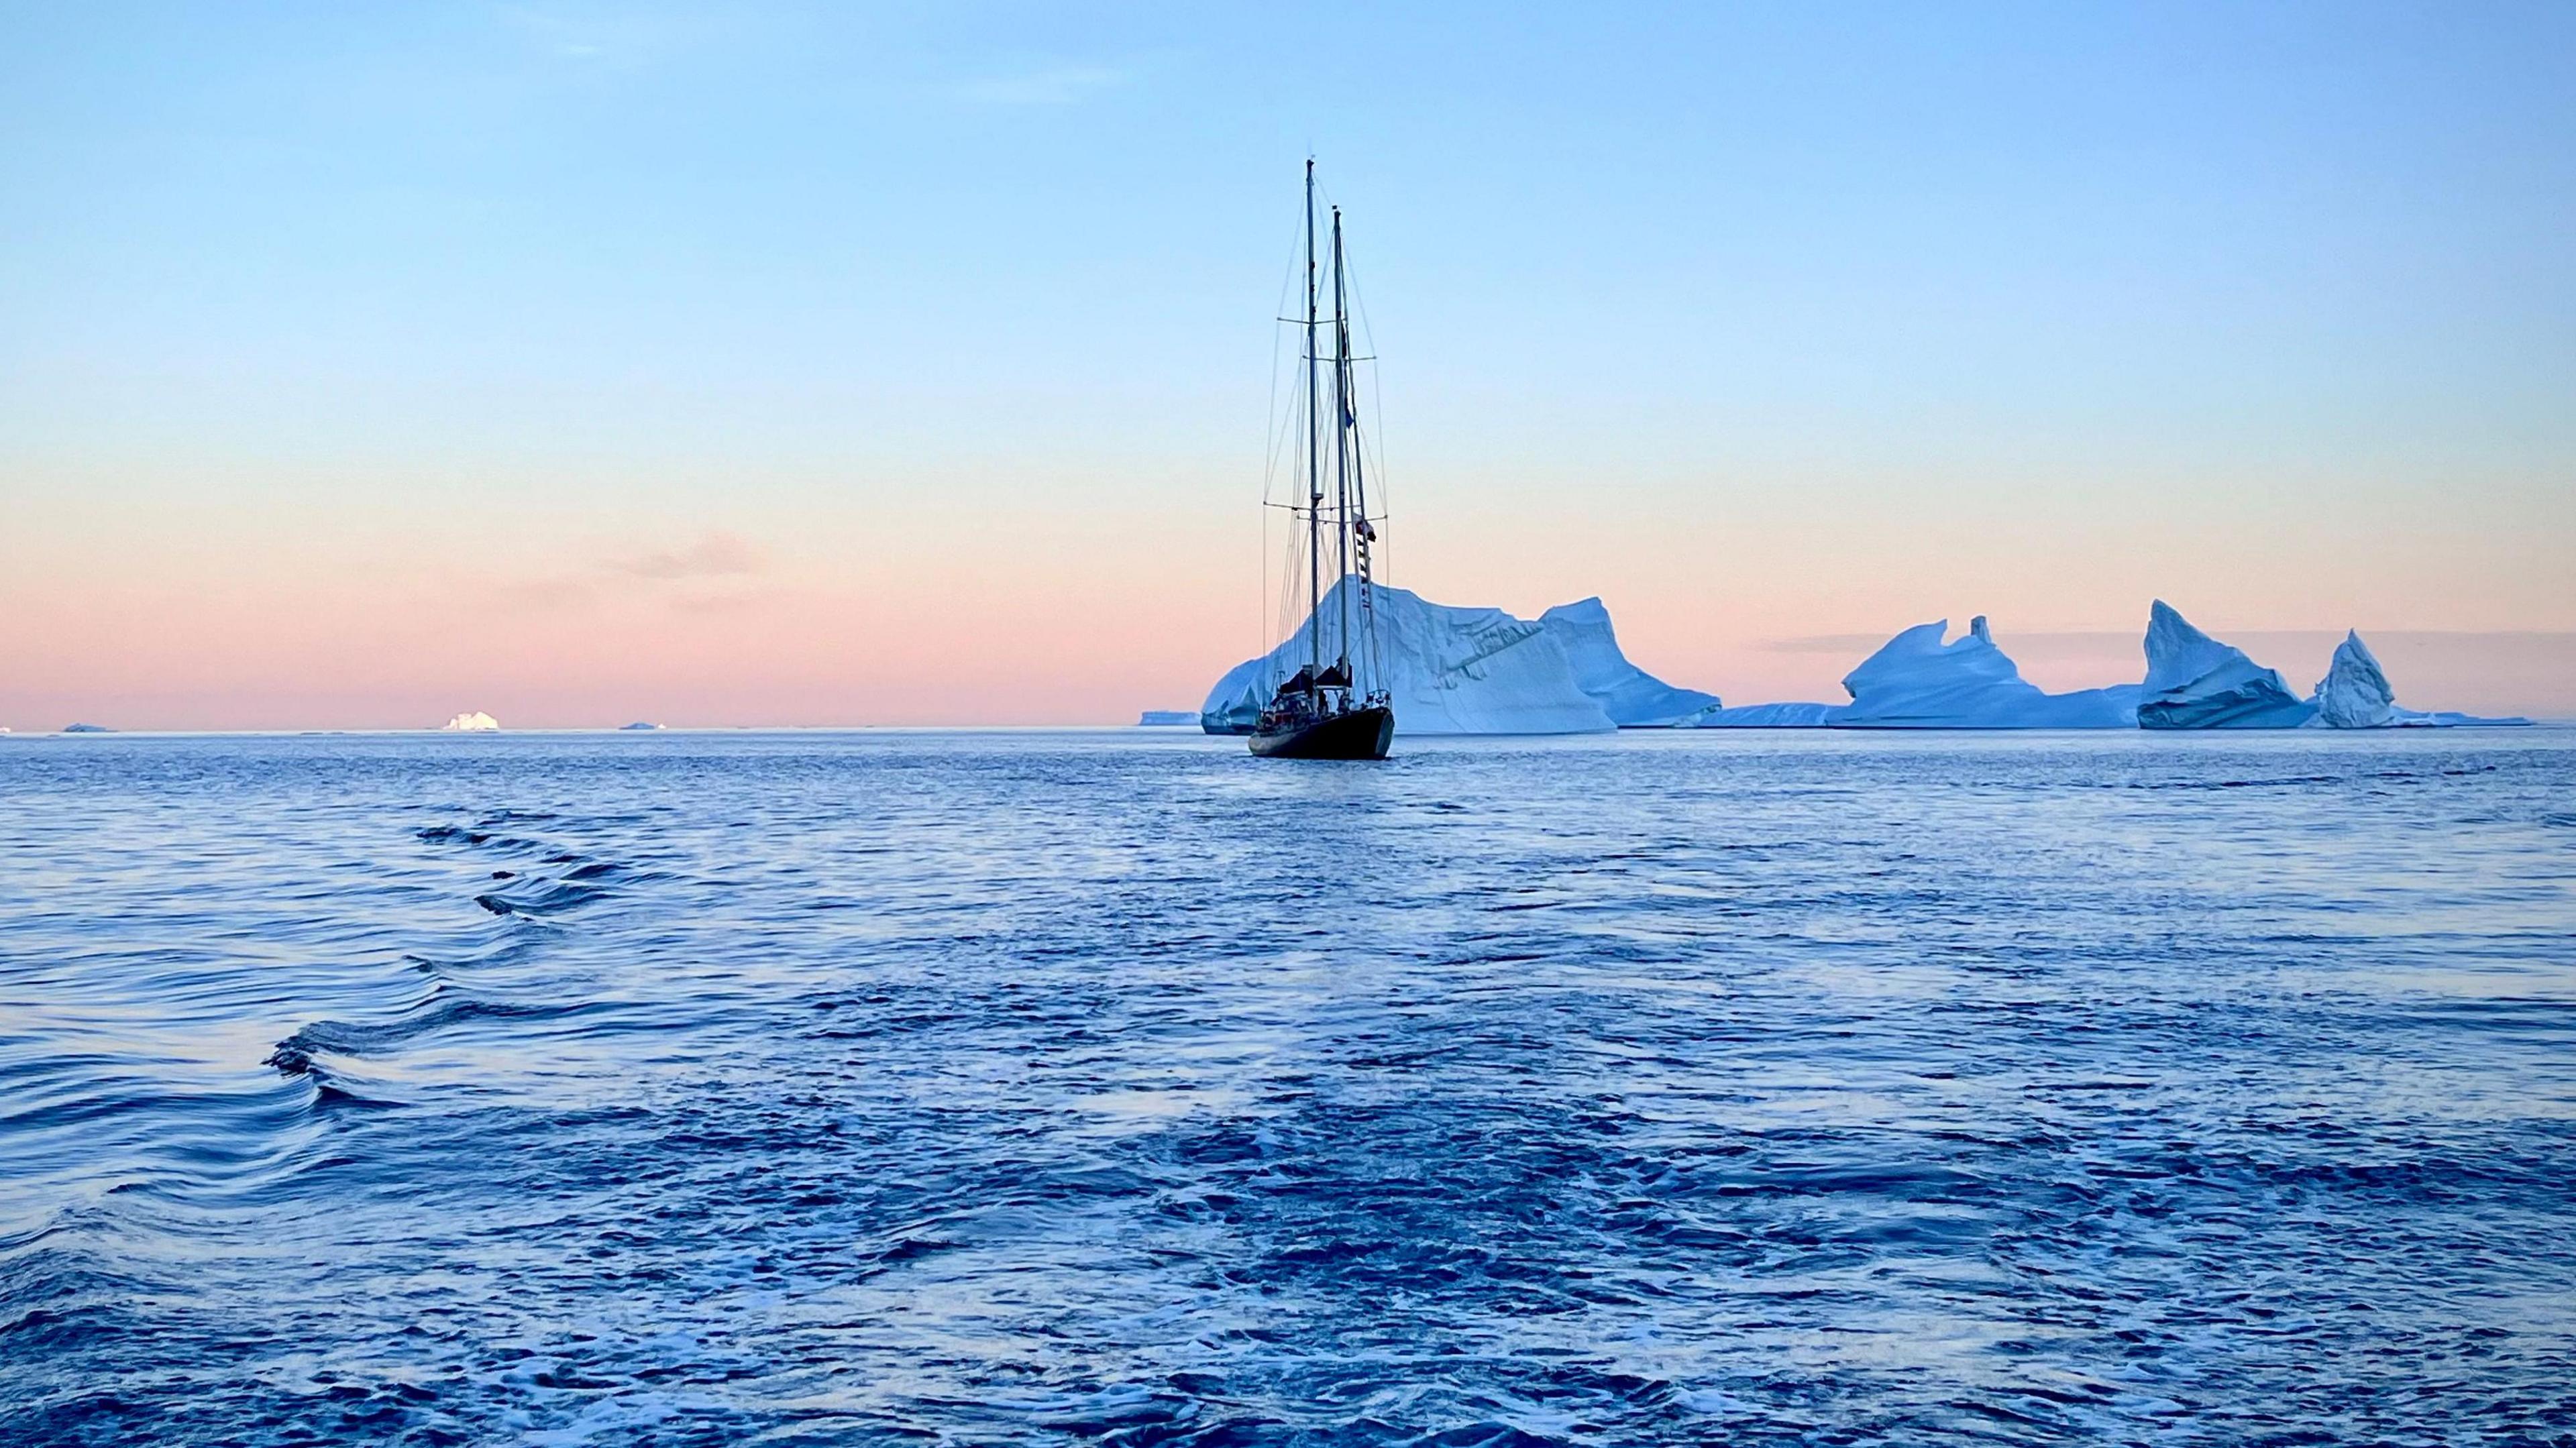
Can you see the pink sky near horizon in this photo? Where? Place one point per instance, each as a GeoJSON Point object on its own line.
{"type": "Point", "coordinates": [198, 615]}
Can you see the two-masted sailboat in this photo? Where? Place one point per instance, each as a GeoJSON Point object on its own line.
{"type": "Point", "coordinates": [1336, 705]}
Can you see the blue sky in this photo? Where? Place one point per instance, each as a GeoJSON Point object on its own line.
{"type": "Point", "coordinates": [1761, 321]}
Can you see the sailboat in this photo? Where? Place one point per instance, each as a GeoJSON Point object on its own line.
{"type": "Point", "coordinates": [1335, 706]}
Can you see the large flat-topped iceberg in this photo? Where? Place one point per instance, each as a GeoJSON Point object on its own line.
{"type": "Point", "coordinates": [1766, 716]}
{"type": "Point", "coordinates": [1918, 681]}
{"type": "Point", "coordinates": [2196, 682]}
{"type": "Point", "coordinates": [1633, 698]}
{"type": "Point", "coordinates": [1475, 671]}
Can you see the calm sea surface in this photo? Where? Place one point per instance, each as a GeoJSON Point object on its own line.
{"type": "Point", "coordinates": [1119, 1088]}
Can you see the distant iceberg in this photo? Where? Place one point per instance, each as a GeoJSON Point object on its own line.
{"type": "Point", "coordinates": [639, 724]}
{"type": "Point", "coordinates": [1450, 670]}
{"type": "Point", "coordinates": [2196, 682]}
{"type": "Point", "coordinates": [87, 729]}
{"type": "Point", "coordinates": [1917, 681]}
{"type": "Point", "coordinates": [473, 721]}
{"type": "Point", "coordinates": [2356, 694]}
{"type": "Point", "coordinates": [1159, 718]}
{"type": "Point", "coordinates": [1633, 698]}
{"type": "Point", "coordinates": [1766, 716]}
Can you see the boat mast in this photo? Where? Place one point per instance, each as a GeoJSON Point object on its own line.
{"type": "Point", "coordinates": [1314, 467]}
{"type": "Point", "coordinates": [1341, 445]}
{"type": "Point", "coordinates": [1360, 533]}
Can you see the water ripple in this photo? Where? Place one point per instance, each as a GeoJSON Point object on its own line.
{"type": "Point", "coordinates": [1116, 1088]}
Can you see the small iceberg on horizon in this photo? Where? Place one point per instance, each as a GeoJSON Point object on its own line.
{"type": "Point", "coordinates": [473, 721]}
{"type": "Point", "coordinates": [1475, 671]}
{"type": "Point", "coordinates": [638, 726]}
{"type": "Point", "coordinates": [77, 728]}
{"type": "Point", "coordinates": [1916, 680]}
{"type": "Point", "coordinates": [2356, 694]}
{"type": "Point", "coordinates": [1166, 718]}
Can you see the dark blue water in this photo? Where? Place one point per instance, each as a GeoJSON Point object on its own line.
{"type": "Point", "coordinates": [1119, 1088]}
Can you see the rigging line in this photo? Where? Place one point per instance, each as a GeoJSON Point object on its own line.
{"type": "Point", "coordinates": [1274, 418]}
{"type": "Point", "coordinates": [1314, 481]}
{"type": "Point", "coordinates": [1274, 438]}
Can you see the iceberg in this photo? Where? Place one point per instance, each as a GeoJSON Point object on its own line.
{"type": "Point", "coordinates": [472, 721]}
{"type": "Point", "coordinates": [1158, 718]}
{"type": "Point", "coordinates": [1450, 670]}
{"type": "Point", "coordinates": [1918, 681]}
{"type": "Point", "coordinates": [1633, 698]}
{"type": "Point", "coordinates": [2355, 694]}
{"type": "Point", "coordinates": [622, 728]}
{"type": "Point", "coordinates": [2196, 682]}
{"type": "Point", "coordinates": [87, 729]}
{"type": "Point", "coordinates": [1765, 716]}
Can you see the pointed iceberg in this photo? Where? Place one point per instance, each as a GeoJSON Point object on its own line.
{"type": "Point", "coordinates": [1450, 670]}
{"type": "Point", "coordinates": [2196, 682]}
{"type": "Point", "coordinates": [2355, 694]}
{"type": "Point", "coordinates": [1633, 698]}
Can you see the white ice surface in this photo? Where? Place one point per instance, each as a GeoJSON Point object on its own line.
{"type": "Point", "coordinates": [2196, 682]}
{"type": "Point", "coordinates": [2355, 694]}
{"type": "Point", "coordinates": [1917, 681]}
{"type": "Point", "coordinates": [1633, 698]}
{"type": "Point", "coordinates": [1765, 716]}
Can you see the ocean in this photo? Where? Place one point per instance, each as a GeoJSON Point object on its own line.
{"type": "Point", "coordinates": [1114, 1087]}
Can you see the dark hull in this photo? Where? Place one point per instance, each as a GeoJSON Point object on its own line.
{"type": "Point", "coordinates": [1359, 734]}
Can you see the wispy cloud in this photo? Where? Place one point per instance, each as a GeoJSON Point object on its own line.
{"type": "Point", "coordinates": [613, 36]}
{"type": "Point", "coordinates": [1057, 85]}
{"type": "Point", "coordinates": [714, 554]}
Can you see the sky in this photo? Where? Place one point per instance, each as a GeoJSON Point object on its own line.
{"type": "Point", "coordinates": [912, 364]}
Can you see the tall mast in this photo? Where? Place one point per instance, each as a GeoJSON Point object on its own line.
{"type": "Point", "coordinates": [1314, 466]}
{"type": "Point", "coordinates": [1341, 443]}
{"type": "Point", "coordinates": [1355, 512]}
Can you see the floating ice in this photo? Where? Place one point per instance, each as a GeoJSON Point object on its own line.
{"type": "Point", "coordinates": [1633, 698]}
{"type": "Point", "coordinates": [1916, 681]}
{"type": "Point", "coordinates": [1765, 716]}
{"type": "Point", "coordinates": [1450, 670]}
{"type": "Point", "coordinates": [471, 721]}
{"type": "Point", "coordinates": [639, 724]}
{"type": "Point", "coordinates": [2196, 682]}
{"type": "Point", "coordinates": [1156, 718]}
{"type": "Point", "coordinates": [2354, 694]}
{"type": "Point", "coordinates": [87, 729]}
